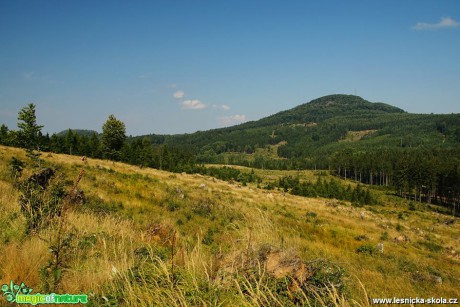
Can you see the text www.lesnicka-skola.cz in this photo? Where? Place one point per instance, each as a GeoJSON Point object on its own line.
{"type": "Point", "coordinates": [415, 300]}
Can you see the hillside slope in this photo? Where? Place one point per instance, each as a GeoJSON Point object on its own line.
{"type": "Point", "coordinates": [144, 236]}
{"type": "Point", "coordinates": [314, 130]}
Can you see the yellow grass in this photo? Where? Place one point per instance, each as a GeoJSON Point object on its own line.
{"type": "Point", "coordinates": [238, 221]}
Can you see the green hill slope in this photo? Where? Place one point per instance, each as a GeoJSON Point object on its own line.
{"type": "Point", "coordinates": [314, 131]}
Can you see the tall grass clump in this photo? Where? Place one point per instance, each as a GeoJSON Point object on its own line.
{"type": "Point", "coordinates": [195, 282]}
{"type": "Point", "coordinates": [44, 203]}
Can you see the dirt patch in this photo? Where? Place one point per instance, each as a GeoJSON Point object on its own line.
{"type": "Point", "coordinates": [281, 264]}
{"type": "Point", "coordinates": [354, 136]}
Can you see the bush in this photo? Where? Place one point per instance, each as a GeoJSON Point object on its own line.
{"type": "Point", "coordinates": [39, 204]}
{"type": "Point", "coordinates": [431, 246]}
{"type": "Point", "coordinates": [367, 249]}
{"type": "Point", "coordinates": [172, 206]}
{"type": "Point", "coordinates": [204, 208]}
{"type": "Point", "coordinates": [384, 236]}
{"type": "Point", "coordinates": [16, 168]}
{"type": "Point", "coordinates": [98, 205]}
{"type": "Point", "coordinates": [361, 238]}
{"type": "Point", "coordinates": [208, 237]}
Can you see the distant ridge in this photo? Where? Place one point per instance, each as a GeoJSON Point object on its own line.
{"type": "Point", "coordinates": [326, 107]}
{"type": "Point", "coordinates": [312, 132]}
{"type": "Point", "coordinates": [81, 132]}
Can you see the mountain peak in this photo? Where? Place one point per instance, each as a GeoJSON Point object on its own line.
{"type": "Point", "coordinates": [338, 99]}
{"type": "Point", "coordinates": [327, 107]}
{"type": "Point", "coordinates": [341, 103]}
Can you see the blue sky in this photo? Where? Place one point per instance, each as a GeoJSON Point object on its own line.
{"type": "Point", "coordinates": [182, 66]}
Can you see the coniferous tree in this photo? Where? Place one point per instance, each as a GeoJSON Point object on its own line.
{"type": "Point", "coordinates": [4, 135]}
{"type": "Point", "coordinates": [113, 137]}
{"type": "Point", "coordinates": [71, 142]}
{"type": "Point", "coordinates": [94, 145]}
{"type": "Point", "coordinates": [29, 132]}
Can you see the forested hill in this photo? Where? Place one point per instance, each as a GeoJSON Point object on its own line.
{"type": "Point", "coordinates": [372, 143]}
{"type": "Point", "coordinates": [324, 108]}
{"type": "Point", "coordinates": [310, 133]}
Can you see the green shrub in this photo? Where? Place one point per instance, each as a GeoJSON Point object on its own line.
{"type": "Point", "coordinates": [204, 208]}
{"type": "Point", "coordinates": [367, 249]}
{"type": "Point", "coordinates": [431, 246]}
{"type": "Point", "coordinates": [385, 236]}
{"type": "Point", "coordinates": [208, 237]}
{"type": "Point", "coordinates": [361, 238]}
{"type": "Point", "coordinates": [172, 206]}
{"type": "Point", "coordinates": [406, 265]}
{"type": "Point", "coordinates": [16, 168]}
{"type": "Point", "coordinates": [40, 205]}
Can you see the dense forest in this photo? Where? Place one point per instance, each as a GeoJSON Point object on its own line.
{"type": "Point", "coordinates": [418, 155]}
{"type": "Point", "coordinates": [312, 130]}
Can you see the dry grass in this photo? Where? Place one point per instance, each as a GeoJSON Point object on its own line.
{"type": "Point", "coordinates": [22, 261]}
{"type": "Point", "coordinates": [216, 227]}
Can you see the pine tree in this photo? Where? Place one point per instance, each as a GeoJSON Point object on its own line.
{"type": "Point", "coordinates": [113, 137]}
{"type": "Point", "coordinates": [94, 146]}
{"type": "Point", "coordinates": [71, 142]}
{"type": "Point", "coordinates": [29, 132]}
{"type": "Point", "coordinates": [4, 135]}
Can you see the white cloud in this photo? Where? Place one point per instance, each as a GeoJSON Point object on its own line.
{"type": "Point", "coordinates": [194, 104]}
{"type": "Point", "coordinates": [446, 22]}
{"type": "Point", "coordinates": [222, 106]}
{"type": "Point", "coordinates": [178, 94]}
{"type": "Point", "coordinates": [232, 119]}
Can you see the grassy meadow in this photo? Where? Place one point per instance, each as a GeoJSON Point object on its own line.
{"type": "Point", "coordinates": [144, 237]}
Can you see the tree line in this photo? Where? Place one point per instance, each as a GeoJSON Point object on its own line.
{"type": "Point", "coordinates": [426, 174]}
{"type": "Point", "coordinates": [429, 175]}
{"type": "Point", "coordinates": [358, 195]}
{"type": "Point", "coordinates": [112, 144]}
